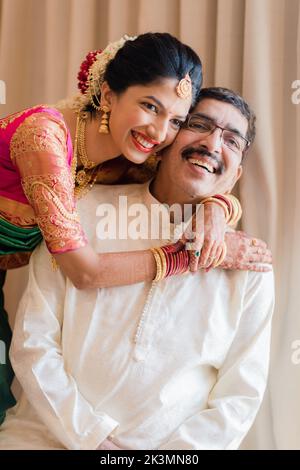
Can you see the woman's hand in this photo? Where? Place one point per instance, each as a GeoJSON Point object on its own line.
{"type": "Point", "coordinates": [208, 227]}
{"type": "Point", "coordinates": [246, 253]}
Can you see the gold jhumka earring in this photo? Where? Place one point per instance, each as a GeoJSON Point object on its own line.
{"type": "Point", "coordinates": [104, 129]}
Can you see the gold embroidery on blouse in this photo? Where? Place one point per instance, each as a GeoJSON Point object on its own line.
{"type": "Point", "coordinates": [4, 122]}
{"type": "Point", "coordinates": [57, 202]}
{"type": "Point", "coordinates": [52, 197]}
{"type": "Point", "coordinates": [40, 132]}
{"type": "Point", "coordinates": [16, 212]}
{"type": "Point", "coordinates": [17, 220]}
{"type": "Point", "coordinates": [39, 148]}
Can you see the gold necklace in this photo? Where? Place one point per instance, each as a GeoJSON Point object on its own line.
{"type": "Point", "coordinates": [85, 178]}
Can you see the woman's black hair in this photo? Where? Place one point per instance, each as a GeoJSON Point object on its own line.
{"type": "Point", "coordinates": [150, 58]}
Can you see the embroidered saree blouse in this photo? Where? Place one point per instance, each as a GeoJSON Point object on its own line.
{"type": "Point", "coordinates": [37, 186]}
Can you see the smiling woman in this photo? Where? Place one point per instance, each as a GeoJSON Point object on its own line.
{"type": "Point", "coordinates": [145, 118]}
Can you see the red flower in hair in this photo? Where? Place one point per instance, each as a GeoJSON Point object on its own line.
{"type": "Point", "coordinates": [84, 70]}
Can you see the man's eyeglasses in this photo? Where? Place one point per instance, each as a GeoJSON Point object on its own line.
{"type": "Point", "coordinates": [231, 139]}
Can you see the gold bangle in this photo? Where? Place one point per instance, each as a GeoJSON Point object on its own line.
{"type": "Point", "coordinates": [158, 265]}
{"type": "Point", "coordinates": [237, 210]}
{"type": "Point", "coordinates": [163, 262]}
{"type": "Point", "coordinates": [220, 203]}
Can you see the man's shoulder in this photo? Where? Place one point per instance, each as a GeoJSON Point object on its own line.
{"type": "Point", "coordinates": [252, 291]}
{"type": "Point", "coordinates": [259, 296]}
{"type": "Point", "coordinates": [263, 281]}
{"type": "Point", "coordinates": [111, 194]}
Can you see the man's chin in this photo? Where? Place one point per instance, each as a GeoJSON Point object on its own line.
{"type": "Point", "coordinates": [195, 193]}
{"type": "Point", "coordinates": [197, 186]}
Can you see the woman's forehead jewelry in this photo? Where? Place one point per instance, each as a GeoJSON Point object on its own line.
{"type": "Point", "coordinates": [184, 87]}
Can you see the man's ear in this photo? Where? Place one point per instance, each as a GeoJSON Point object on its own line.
{"type": "Point", "coordinates": [239, 173]}
{"type": "Point", "coordinates": [237, 177]}
{"type": "Point", "coordinates": [107, 95]}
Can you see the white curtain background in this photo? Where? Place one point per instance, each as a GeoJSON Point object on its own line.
{"type": "Point", "coordinates": [251, 46]}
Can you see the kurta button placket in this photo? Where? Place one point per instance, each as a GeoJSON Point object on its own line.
{"type": "Point", "coordinates": [144, 332]}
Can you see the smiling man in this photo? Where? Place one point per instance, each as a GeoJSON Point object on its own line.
{"type": "Point", "coordinates": [176, 364]}
{"type": "Point", "coordinates": [206, 157]}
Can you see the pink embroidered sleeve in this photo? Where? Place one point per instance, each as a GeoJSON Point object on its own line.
{"type": "Point", "coordinates": [39, 150]}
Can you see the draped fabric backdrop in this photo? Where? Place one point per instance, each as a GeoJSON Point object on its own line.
{"type": "Point", "coordinates": [252, 46]}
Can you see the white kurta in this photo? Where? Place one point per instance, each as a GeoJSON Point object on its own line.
{"type": "Point", "coordinates": [193, 380]}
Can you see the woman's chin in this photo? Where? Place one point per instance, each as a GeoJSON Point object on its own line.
{"type": "Point", "coordinates": [137, 158]}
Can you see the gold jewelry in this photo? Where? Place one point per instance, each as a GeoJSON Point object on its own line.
{"type": "Point", "coordinates": [91, 179]}
{"type": "Point", "coordinates": [163, 262]}
{"type": "Point", "coordinates": [104, 129]}
{"type": "Point", "coordinates": [236, 210]}
{"type": "Point", "coordinates": [80, 135]}
{"type": "Point", "coordinates": [220, 203]}
{"type": "Point", "coordinates": [159, 267]}
{"type": "Point", "coordinates": [85, 178]}
{"type": "Point", "coordinates": [184, 87]}
{"type": "Point", "coordinates": [95, 101]}
{"type": "Point", "coordinates": [231, 205]}
{"type": "Point", "coordinates": [54, 264]}
{"type": "Point", "coordinates": [94, 74]}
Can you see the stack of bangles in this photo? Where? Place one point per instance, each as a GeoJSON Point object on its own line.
{"type": "Point", "coordinates": [230, 204]}
{"type": "Point", "coordinates": [170, 260]}
{"type": "Point", "coordinates": [175, 259]}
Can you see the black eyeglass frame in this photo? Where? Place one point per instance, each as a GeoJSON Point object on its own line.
{"type": "Point", "coordinates": [214, 127]}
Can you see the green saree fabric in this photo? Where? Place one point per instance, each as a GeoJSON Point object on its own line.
{"type": "Point", "coordinates": [15, 239]}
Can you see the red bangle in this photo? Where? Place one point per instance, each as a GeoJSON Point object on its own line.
{"type": "Point", "coordinates": [227, 201]}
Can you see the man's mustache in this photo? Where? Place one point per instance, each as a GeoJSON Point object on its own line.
{"type": "Point", "coordinates": [203, 152]}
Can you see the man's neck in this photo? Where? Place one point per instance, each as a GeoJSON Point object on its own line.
{"type": "Point", "coordinates": [165, 193]}
{"type": "Point", "coordinates": [168, 195]}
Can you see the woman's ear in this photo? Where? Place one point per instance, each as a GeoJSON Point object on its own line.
{"type": "Point", "coordinates": [107, 95]}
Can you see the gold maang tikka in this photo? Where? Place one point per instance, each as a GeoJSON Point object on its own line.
{"type": "Point", "coordinates": [184, 87]}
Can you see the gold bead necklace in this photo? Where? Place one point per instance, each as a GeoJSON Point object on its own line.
{"type": "Point", "coordinates": [85, 178]}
